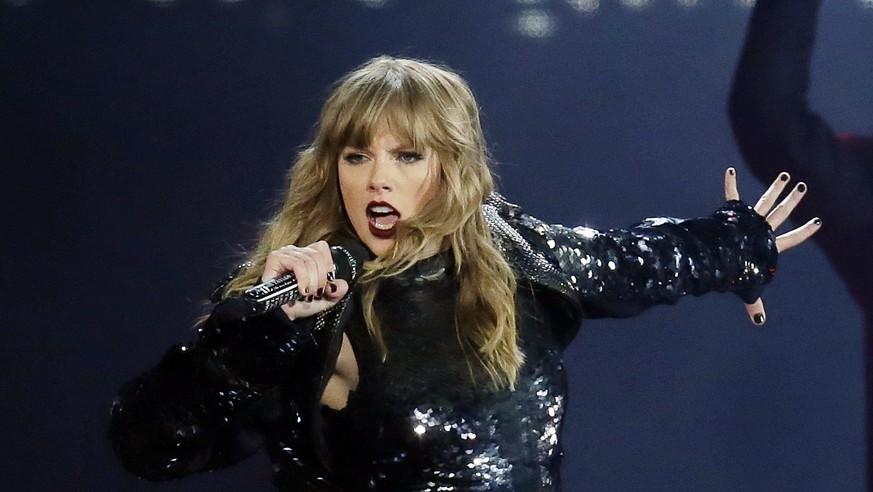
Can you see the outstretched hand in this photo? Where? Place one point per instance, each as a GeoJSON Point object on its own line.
{"type": "Point", "coordinates": [775, 215]}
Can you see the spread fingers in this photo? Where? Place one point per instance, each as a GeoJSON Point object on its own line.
{"type": "Point", "coordinates": [768, 199]}
{"type": "Point", "coordinates": [779, 214]}
{"type": "Point", "coordinates": [792, 238]}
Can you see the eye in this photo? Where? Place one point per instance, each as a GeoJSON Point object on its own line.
{"type": "Point", "coordinates": [409, 156]}
{"type": "Point", "coordinates": [354, 157]}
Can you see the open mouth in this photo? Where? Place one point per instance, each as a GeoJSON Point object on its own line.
{"type": "Point", "coordinates": [382, 218]}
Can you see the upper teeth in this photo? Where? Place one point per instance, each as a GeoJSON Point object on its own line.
{"type": "Point", "coordinates": [381, 209]}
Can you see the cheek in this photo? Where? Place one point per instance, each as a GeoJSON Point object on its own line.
{"type": "Point", "coordinates": [344, 191]}
{"type": "Point", "coordinates": [347, 185]}
{"type": "Point", "coordinates": [431, 186]}
{"type": "Point", "coordinates": [347, 196]}
{"type": "Point", "coordinates": [428, 184]}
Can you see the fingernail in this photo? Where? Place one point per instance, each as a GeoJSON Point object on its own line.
{"type": "Point", "coordinates": [309, 299]}
{"type": "Point", "coordinates": [333, 287]}
{"type": "Point", "coordinates": [731, 171]}
{"type": "Point", "coordinates": [801, 187]}
{"type": "Point", "coordinates": [816, 221]}
{"type": "Point", "coordinates": [319, 292]}
{"type": "Point", "coordinates": [759, 319]}
{"type": "Point", "coordinates": [783, 177]}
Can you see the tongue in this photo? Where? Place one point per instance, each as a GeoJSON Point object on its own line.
{"type": "Point", "coordinates": [385, 221]}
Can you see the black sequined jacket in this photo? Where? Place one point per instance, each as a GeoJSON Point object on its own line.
{"type": "Point", "coordinates": [257, 382]}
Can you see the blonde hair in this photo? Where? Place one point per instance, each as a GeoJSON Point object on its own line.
{"type": "Point", "coordinates": [427, 106]}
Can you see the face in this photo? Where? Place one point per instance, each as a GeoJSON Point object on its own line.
{"type": "Point", "coordinates": [383, 184]}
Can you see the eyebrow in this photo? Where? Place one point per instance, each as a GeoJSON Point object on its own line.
{"type": "Point", "coordinates": [398, 148]}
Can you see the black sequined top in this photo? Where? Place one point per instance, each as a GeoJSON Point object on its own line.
{"type": "Point", "coordinates": [424, 418]}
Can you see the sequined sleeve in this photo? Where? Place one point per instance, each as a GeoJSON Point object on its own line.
{"type": "Point", "coordinates": [204, 404]}
{"type": "Point", "coordinates": [619, 272]}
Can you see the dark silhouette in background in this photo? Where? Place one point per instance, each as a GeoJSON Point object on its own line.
{"type": "Point", "coordinates": [776, 129]}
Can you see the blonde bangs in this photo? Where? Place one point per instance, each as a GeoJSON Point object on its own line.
{"type": "Point", "coordinates": [402, 102]}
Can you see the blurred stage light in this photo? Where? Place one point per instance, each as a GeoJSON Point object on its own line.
{"type": "Point", "coordinates": [635, 4]}
{"type": "Point", "coordinates": [867, 4]}
{"type": "Point", "coordinates": [535, 23]}
{"type": "Point", "coordinates": [745, 3]}
{"type": "Point", "coordinates": [687, 3]}
{"type": "Point", "coordinates": [374, 4]}
{"type": "Point", "coordinates": [588, 7]}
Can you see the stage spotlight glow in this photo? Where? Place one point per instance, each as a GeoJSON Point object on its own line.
{"type": "Point", "coordinates": [635, 4]}
{"type": "Point", "coordinates": [867, 4]}
{"type": "Point", "coordinates": [584, 6]}
{"type": "Point", "coordinates": [535, 23]}
{"type": "Point", "coordinates": [745, 3]}
{"type": "Point", "coordinates": [374, 4]}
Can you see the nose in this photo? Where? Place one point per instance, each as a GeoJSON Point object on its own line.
{"type": "Point", "coordinates": [380, 179]}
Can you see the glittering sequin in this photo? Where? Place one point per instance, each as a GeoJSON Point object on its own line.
{"type": "Point", "coordinates": [618, 272]}
{"type": "Point", "coordinates": [424, 418]}
{"type": "Point", "coordinates": [437, 425]}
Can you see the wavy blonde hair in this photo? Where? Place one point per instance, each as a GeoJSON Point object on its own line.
{"type": "Point", "coordinates": [427, 106]}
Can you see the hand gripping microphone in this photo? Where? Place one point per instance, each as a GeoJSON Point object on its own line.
{"type": "Point", "coordinates": [348, 262]}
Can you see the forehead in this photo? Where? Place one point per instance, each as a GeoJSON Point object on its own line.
{"type": "Point", "coordinates": [404, 124]}
{"type": "Point", "coordinates": [383, 134]}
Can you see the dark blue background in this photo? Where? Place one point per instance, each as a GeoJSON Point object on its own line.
{"type": "Point", "coordinates": [142, 145]}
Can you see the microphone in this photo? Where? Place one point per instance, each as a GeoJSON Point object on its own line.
{"type": "Point", "coordinates": [348, 262]}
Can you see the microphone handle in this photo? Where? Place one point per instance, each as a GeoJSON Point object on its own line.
{"type": "Point", "coordinates": [271, 294]}
{"type": "Point", "coordinates": [274, 293]}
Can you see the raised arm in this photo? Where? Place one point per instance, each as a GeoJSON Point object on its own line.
{"type": "Point", "coordinates": [772, 122]}
{"type": "Point", "coordinates": [774, 128]}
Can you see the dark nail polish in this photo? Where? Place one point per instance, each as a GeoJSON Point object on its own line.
{"type": "Point", "coordinates": [801, 187]}
{"type": "Point", "coordinates": [309, 299]}
{"type": "Point", "coordinates": [319, 292]}
{"type": "Point", "coordinates": [333, 288]}
{"type": "Point", "coordinates": [816, 221]}
{"type": "Point", "coordinates": [759, 319]}
{"type": "Point", "coordinates": [731, 171]}
{"type": "Point", "coordinates": [783, 177]}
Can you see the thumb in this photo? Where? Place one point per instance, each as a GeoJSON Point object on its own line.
{"type": "Point", "coordinates": [756, 312]}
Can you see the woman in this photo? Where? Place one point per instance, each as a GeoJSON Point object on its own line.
{"type": "Point", "coordinates": [440, 369]}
